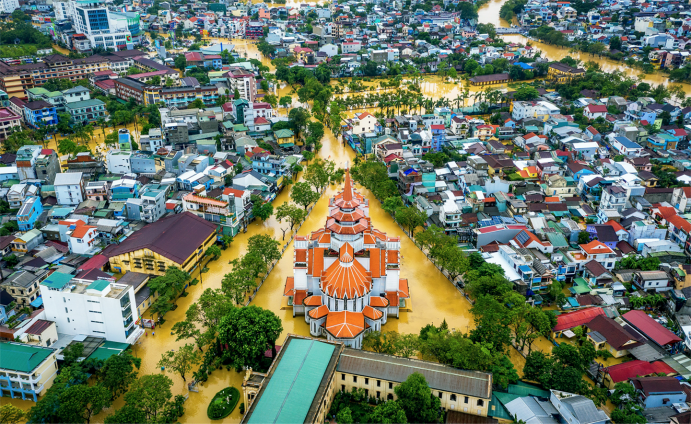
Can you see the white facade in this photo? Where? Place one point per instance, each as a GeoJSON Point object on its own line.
{"type": "Point", "coordinates": [69, 188]}
{"type": "Point", "coordinates": [538, 110]}
{"type": "Point", "coordinates": [96, 22]}
{"type": "Point", "coordinates": [119, 162]}
{"type": "Point", "coordinates": [101, 309]}
{"type": "Point", "coordinates": [82, 239]}
{"type": "Point", "coordinates": [9, 6]}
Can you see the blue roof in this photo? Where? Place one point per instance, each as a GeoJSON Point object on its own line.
{"type": "Point", "coordinates": [525, 66]}
{"type": "Point", "coordinates": [524, 268]}
{"type": "Point", "coordinates": [37, 302]}
{"type": "Point", "coordinates": [627, 143]}
{"type": "Point", "coordinates": [409, 171]}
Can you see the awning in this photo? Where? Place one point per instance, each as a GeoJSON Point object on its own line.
{"type": "Point", "coordinates": [37, 302]}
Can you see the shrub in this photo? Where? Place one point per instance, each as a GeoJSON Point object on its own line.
{"type": "Point", "coordinates": [223, 403]}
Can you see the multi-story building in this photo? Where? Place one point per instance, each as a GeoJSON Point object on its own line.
{"type": "Point", "coordinates": [9, 122]}
{"type": "Point", "coordinates": [87, 111]}
{"type": "Point", "coordinates": [243, 81]}
{"type": "Point", "coordinates": [126, 88]}
{"type": "Point", "coordinates": [97, 190]}
{"type": "Point", "coordinates": [15, 80]}
{"type": "Point", "coordinates": [29, 213]}
{"type": "Point", "coordinates": [341, 295]}
{"type": "Point", "coordinates": [219, 212]}
{"type": "Point", "coordinates": [151, 142]}
{"type": "Point", "coordinates": [153, 204]}
{"type": "Point", "coordinates": [92, 19]}
{"type": "Point", "coordinates": [156, 247]}
{"type": "Point", "coordinates": [23, 285]}
{"type": "Point", "coordinates": [69, 188]}
{"type": "Point", "coordinates": [18, 193]}
{"type": "Point", "coordinates": [613, 197]}
{"type": "Point", "coordinates": [330, 367]}
{"type": "Point", "coordinates": [47, 165]}
{"type": "Point", "coordinates": [563, 73]}
{"type": "Point", "coordinates": [119, 161]}
{"type": "Point", "coordinates": [266, 163]}
{"type": "Point", "coordinates": [81, 238]}
{"type": "Point", "coordinates": [9, 6]}
{"type": "Point", "coordinates": [100, 308]}
{"type": "Point", "coordinates": [541, 110]}
{"type": "Point", "coordinates": [26, 371]}
{"type": "Point", "coordinates": [26, 161]}
{"type": "Point", "coordinates": [254, 30]}
{"type": "Point", "coordinates": [40, 114]}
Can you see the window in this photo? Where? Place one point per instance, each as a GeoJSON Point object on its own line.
{"type": "Point", "coordinates": [452, 398]}
{"type": "Point", "coordinates": [389, 397]}
{"type": "Point", "coordinates": [378, 383]}
{"type": "Point", "coordinates": [366, 380]}
{"type": "Point", "coordinates": [354, 379]}
{"type": "Point", "coordinates": [465, 400]}
{"type": "Point", "coordinates": [440, 394]}
{"type": "Point", "coordinates": [378, 395]}
{"type": "Point", "coordinates": [343, 387]}
{"type": "Point", "coordinates": [390, 386]}
{"type": "Point", "coordinates": [480, 402]}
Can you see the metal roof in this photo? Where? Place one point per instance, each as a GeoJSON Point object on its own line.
{"type": "Point", "coordinates": [393, 368]}
{"type": "Point", "coordinates": [21, 357]}
{"type": "Point", "coordinates": [292, 387]}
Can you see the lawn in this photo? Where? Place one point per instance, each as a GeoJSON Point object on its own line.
{"type": "Point", "coordinates": [17, 50]}
{"type": "Point", "coordinates": [223, 403]}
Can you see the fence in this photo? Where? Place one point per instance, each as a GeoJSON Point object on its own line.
{"type": "Point", "coordinates": [283, 250]}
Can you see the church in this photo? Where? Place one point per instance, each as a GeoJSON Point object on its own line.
{"type": "Point", "coordinates": [346, 276]}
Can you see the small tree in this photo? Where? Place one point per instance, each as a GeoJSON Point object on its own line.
{"type": "Point", "coordinates": [11, 260]}
{"type": "Point", "coordinates": [583, 237]}
{"type": "Point", "coordinates": [303, 195]}
{"type": "Point", "coordinates": [213, 251]}
{"type": "Point", "coordinates": [291, 214]}
{"type": "Point", "coordinates": [181, 361]}
{"type": "Point", "coordinates": [10, 414]}
{"type": "Point", "coordinates": [416, 399]}
{"type": "Point", "coordinates": [260, 209]}
{"type": "Point", "coordinates": [411, 218]}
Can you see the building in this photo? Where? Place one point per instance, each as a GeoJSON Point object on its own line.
{"type": "Point", "coordinates": [100, 308]}
{"type": "Point", "coordinates": [563, 73]}
{"type": "Point", "coordinates": [243, 81]}
{"type": "Point", "coordinates": [69, 188]}
{"type": "Point", "coordinates": [81, 237]}
{"type": "Point", "coordinates": [26, 371]}
{"type": "Point", "coordinates": [26, 161]}
{"type": "Point", "coordinates": [152, 205]}
{"type": "Point", "coordinates": [9, 6]}
{"type": "Point", "coordinates": [9, 120]}
{"type": "Point", "coordinates": [39, 113]}
{"type": "Point", "coordinates": [119, 161]}
{"type": "Point", "coordinates": [47, 166]}
{"type": "Point", "coordinates": [346, 276]}
{"type": "Point", "coordinates": [86, 111]}
{"type": "Point", "coordinates": [217, 211]}
{"type": "Point", "coordinates": [29, 212]}
{"type": "Point", "coordinates": [490, 79]}
{"type": "Point", "coordinates": [23, 286]}
{"type": "Point", "coordinates": [101, 27]}
{"type": "Point", "coordinates": [178, 240]}
{"type": "Point", "coordinates": [328, 367]}
{"type": "Point", "coordinates": [655, 392]}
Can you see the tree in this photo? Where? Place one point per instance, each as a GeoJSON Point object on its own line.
{"type": "Point", "coordinates": [118, 372]}
{"type": "Point", "coordinates": [213, 251]}
{"type": "Point", "coordinates": [292, 214]}
{"type": "Point", "coordinates": [11, 260]}
{"type": "Point", "coordinates": [392, 204]}
{"type": "Point", "coordinates": [344, 416]}
{"type": "Point", "coordinates": [388, 413]}
{"type": "Point", "coordinates": [615, 43]}
{"type": "Point", "coordinates": [16, 141]}
{"type": "Point", "coordinates": [246, 333]}
{"type": "Point", "coordinates": [180, 62]}
{"type": "Point", "coordinates": [240, 280]}
{"type": "Point", "coordinates": [526, 92]}
{"type": "Point", "coordinates": [181, 361]}
{"type": "Point", "coordinates": [299, 118]}
{"type": "Point", "coordinates": [416, 399]}
{"type": "Point", "coordinates": [265, 247]}
{"type": "Point", "coordinates": [411, 217]}
{"type": "Point", "coordinates": [148, 400]}
{"type": "Point", "coordinates": [453, 261]}
{"type": "Point", "coordinates": [302, 194]}
{"type": "Point", "coordinates": [196, 104]}
{"type": "Point", "coordinates": [78, 403]}
{"type": "Point", "coordinates": [285, 101]}
{"type": "Point", "coordinates": [583, 237]}
{"type": "Point", "coordinates": [318, 173]}
{"type": "Point", "coordinates": [261, 209]}
{"type": "Point", "coordinates": [72, 353]}
{"type": "Point", "coordinates": [381, 342]}
{"type": "Point", "coordinates": [10, 414]}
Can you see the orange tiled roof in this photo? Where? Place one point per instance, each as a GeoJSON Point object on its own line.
{"type": "Point", "coordinates": [392, 256]}
{"type": "Point", "coordinates": [374, 259]}
{"type": "Point", "coordinates": [369, 239]}
{"type": "Point", "coordinates": [595, 247]}
{"type": "Point", "coordinates": [403, 289]}
{"type": "Point", "coordinates": [81, 231]}
{"type": "Point", "coordinates": [337, 228]}
{"type": "Point", "coordinates": [346, 253]}
{"type": "Point", "coordinates": [299, 296]}
{"type": "Point", "coordinates": [319, 312]}
{"type": "Point", "coordinates": [318, 261]}
{"type": "Point", "coordinates": [325, 238]}
{"type": "Point", "coordinates": [371, 313]}
{"type": "Point", "coordinates": [312, 301]}
{"type": "Point", "coordinates": [378, 302]}
{"type": "Point", "coordinates": [345, 324]}
{"type": "Point", "coordinates": [393, 298]}
{"type": "Point", "coordinates": [353, 216]}
{"type": "Point", "coordinates": [300, 255]}
{"type": "Point", "coordinates": [290, 287]}
{"type": "Point", "coordinates": [346, 281]}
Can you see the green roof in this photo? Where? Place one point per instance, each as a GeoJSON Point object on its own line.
{"type": "Point", "coordinates": [37, 90]}
{"type": "Point", "coordinates": [22, 357]}
{"type": "Point", "coordinates": [283, 133]}
{"type": "Point", "coordinates": [526, 389]}
{"type": "Point", "coordinates": [108, 349]}
{"type": "Point", "coordinates": [57, 280]}
{"type": "Point", "coordinates": [293, 385]}
{"type": "Point", "coordinates": [240, 127]}
{"type": "Point", "coordinates": [557, 240]}
{"type": "Point", "coordinates": [98, 285]}
{"type": "Point", "coordinates": [580, 286]}
{"type": "Point", "coordinates": [84, 103]}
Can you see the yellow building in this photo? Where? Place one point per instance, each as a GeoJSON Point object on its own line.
{"type": "Point", "coordinates": [178, 240]}
{"type": "Point", "coordinates": [26, 371]}
{"type": "Point", "coordinates": [564, 73]}
{"type": "Point", "coordinates": [284, 137]}
{"type": "Point", "coordinates": [333, 367]}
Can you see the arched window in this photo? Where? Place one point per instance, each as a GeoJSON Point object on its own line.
{"type": "Point", "coordinates": [389, 397]}
{"type": "Point", "coordinates": [452, 398]}
{"type": "Point", "coordinates": [480, 402]}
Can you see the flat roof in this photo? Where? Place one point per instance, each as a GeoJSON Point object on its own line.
{"type": "Point", "coordinates": [292, 387]}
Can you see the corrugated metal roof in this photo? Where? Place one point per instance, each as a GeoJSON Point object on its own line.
{"type": "Point", "coordinates": [392, 368]}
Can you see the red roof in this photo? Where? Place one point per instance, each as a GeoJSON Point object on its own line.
{"type": "Point", "coordinates": [597, 108]}
{"type": "Point", "coordinates": [95, 262]}
{"type": "Point", "coordinates": [651, 328]}
{"type": "Point", "coordinates": [46, 151]}
{"type": "Point", "coordinates": [632, 369]}
{"type": "Point", "coordinates": [576, 318]}
{"type": "Point", "coordinates": [437, 127]}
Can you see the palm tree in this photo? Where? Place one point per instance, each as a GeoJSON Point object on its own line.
{"type": "Point", "coordinates": [102, 123]}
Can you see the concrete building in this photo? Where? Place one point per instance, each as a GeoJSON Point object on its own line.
{"type": "Point", "coordinates": [119, 161]}
{"type": "Point", "coordinates": [100, 308]}
{"type": "Point", "coordinates": [26, 371]}
{"type": "Point", "coordinates": [47, 166]}
{"type": "Point", "coordinates": [69, 188]}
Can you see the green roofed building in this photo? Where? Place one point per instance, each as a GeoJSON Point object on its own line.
{"type": "Point", "coordinates": [26, 371]}
{"type": "Point", "coordinates": [304, 378]}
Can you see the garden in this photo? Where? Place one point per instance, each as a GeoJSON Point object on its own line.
{"type": "Point", "coordinates": [223, 403]}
